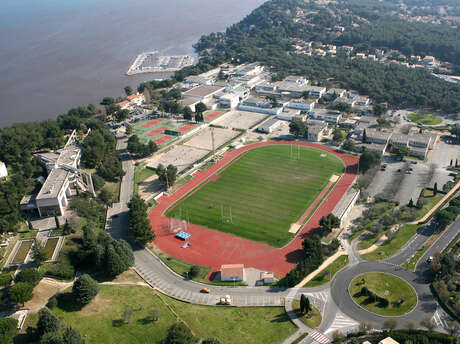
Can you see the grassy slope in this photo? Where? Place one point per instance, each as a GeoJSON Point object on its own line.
{"type": "Point", "coordinates": [100, 320]}
{"type": "Point", "coordinates": [50, 246]}
{"type": "Point", "coordinates": [388, 249]}
{"type": "Point", "coordinates": [326, 275]}
{"type": "Point", "coordinates": [313, 319]}
{"type": "Point", "coordinates": [379, 283]}
{"type": "Point", "coordinates": [266, 190]}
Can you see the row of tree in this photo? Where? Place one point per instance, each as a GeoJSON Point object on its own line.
{"type": "Point", "coordinates": [138, 221]}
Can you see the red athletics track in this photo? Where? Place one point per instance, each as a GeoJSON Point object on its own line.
{"type": "Point", "coordinates": [213, 248]}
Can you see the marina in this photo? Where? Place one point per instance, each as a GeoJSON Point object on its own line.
{"type": "Point", "coordinates": [153, 62]}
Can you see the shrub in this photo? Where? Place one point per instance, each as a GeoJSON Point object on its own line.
{"type": "Point", "coordinates": [47, 322]}
{"type": "Point", "coordinates": [8, 329]}
{"type": "Point", "coordinates": [31, 276]}
{"type": "Point", "coordinates": [5, 279]}
{"type": "Point", "coordinates": [85, 289]}
{"type": "Point", "coordinates": [21, 292]}
{"type": "Point", "coordinates": [194, 271]}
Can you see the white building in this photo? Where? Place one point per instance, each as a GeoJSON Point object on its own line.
{"type": "Point", "coordinates": [317, 91]}
{"type": "Point", "coordinates": [260, 105]}
{"type": "Point", "coordinates": [303, 105]}
{"type": "Point", "coordinates": [329, 116]}
{"type": "Point", "coordinates": [269, 126]}
{"type": "Point", "coordinates": [3, 170]}
{"type": "Point", "coordinates": [316, 132]}
{"type": "Point", "coordinates": [229, 100]}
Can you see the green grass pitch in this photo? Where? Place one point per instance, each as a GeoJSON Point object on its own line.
{"type": "Point", "coordinates": [267, 191]}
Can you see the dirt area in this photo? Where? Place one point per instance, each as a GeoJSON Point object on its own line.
{"type": "Point", "coordinates": [129, 277]}
{"type": "Point", "coordinates": [203, 139]}
{"type": "Point", "coordinates": [180, 156]}
{"type": "Point", "coordinates": [240, 119]}
{"type": "Point", "coordinates": [149, 186]}
{"type": "Point", "coordinates": [43, 291]}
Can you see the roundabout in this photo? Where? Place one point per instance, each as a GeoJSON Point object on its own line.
{"type": "Point", "coordinates": [383, 294]}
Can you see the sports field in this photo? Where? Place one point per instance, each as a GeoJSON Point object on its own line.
{"type": "Point", "coordinates": [262, 193]}
{"type": "Point", "coordinates": [426, 119]}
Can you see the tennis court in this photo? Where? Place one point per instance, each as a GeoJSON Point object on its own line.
{"type": "Point", "coordinates": [213, 114]}
{"type": "Point", "coordinates": [162, 139]}
{"type": "Point", "coordinates": [156, 131]}
{"type": "Point", "coordinates": [152, 123]}
{"type": "Point", "coordinates": [186, 128]}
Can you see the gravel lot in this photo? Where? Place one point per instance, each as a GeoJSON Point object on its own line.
{"type": "Point", "coordinates": [203, 139]}
{"type": "Point", "coordinates": [180, 156]}
{"type": "Point", "coordinates": [240, 119]}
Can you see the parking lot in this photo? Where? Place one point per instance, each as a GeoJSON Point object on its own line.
{"type": "Point", "coordinates": [240, 119]}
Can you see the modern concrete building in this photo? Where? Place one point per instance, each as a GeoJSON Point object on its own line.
{"type": "Point", "coordinates": [63, 177]}
{"type": "Point", "coordinates": [330, 116]}
{"type": "Point", "coordinates": [301, 104]}
{"type": "Point", "coordinates": [345, 205]}
{"type": "Point", "coordinates": [316, 132]}
{"type": "Point", "coordinates": [317, 91]}
{"type": "Point", "coordinates": [261, 105]}
{"type": "Point", "coordinates": [202, 92]}
{"type": "Point", "coordinates": [3, 170]}
{"type": "Point", "coordinates": [229, 100]}
{"type": "Point", "coordinates": [269, 125]}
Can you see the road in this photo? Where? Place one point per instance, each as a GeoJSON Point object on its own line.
{"type": "Point", "coordinates": [338, 309]}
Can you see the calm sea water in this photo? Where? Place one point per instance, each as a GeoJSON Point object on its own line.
{"type": "Point", "coordinates": [57, 54]}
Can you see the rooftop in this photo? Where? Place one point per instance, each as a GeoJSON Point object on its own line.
{"type": "Point", "coordinates": [388, 340]}
{"type": "Point", "coordinates": [53, 184]}
{"type": "Point", "coordinates": [203, 91]}
{"type": "Point", "coordinates": [230, 270]}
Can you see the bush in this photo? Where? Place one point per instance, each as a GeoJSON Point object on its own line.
{"type": "Point", "coordinates": [5, 279]}
{"type": "Point", "coordinates": [21, 292]}
{"type": "Point", "coordinates": [62, 268]}
{"type": "Point", "coordinates": [194, 271]}
{"type": "Point", "coordinates": [85, 289]}
{"type": "Point", "coordinates": [8, 329]}
{"type": "Point", "coordinates": [47, 322]}
{"type": "Point", "coordinates": [31, 276]}
{"type": "Point", "coordinates": [179, 333]}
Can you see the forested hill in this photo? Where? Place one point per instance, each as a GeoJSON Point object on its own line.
{"type": "Point", "coordinates": [265, 35]}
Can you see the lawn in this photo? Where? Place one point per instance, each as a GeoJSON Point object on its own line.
{"type": "Point", "coordinates": [21, 254]}
{"type": "Point", "coordinates": [426, 119]}
{"type": "Point", "coordinates": [400, 295]}
{"type": "Point", "coordinates": [100, 321]}
{"type": "Point", "coordinates": [312, 319]}
{"type": "Point", "coordinates": [389, 248]}
{"type": "Point", "coordinates": [264, 191]}
{"type": "Point", "coordinates": [326, 275]}
{"type": "Point", "coordinates": [50, 246]}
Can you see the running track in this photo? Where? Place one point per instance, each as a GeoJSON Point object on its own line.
{"type": "Point", "coordinates": [213, 248]}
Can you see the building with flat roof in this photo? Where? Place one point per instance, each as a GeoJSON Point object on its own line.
{"type": "Point", "coordinates": [229, 100]}
{"type": "Point", "coordinates": [199, 80]}
{"type": "Point", "coordinates": [3, 170]}
{"type": "Point", "coordinates": [232, 272]}
{"type": "Point", "coordinates": [261, 105]}
{"type": "Point", "coordinates": [269, 126]}
{"type": "Point", "coordinates": [345, 205]}
{"type": "Point", "coordinates": [316, 132]}
{"type": "Point", "coordinates": [63, 176]}
{"type": "Point", "coordinates": [202, 92]}
{"type": "Point", "coordinates": [190, 102]}
{"type": "Point", "coordinates": [388, 340]}
{"type": "Point", "coordinates": [301, 104]}
{"type": "Point", "coordinates": [378, 137]}
{"type": "Point", "coordinates": [330, 116]}
{"type": "Point", "coordinates": [339, 92]}
{"type": "Point", "coordinates": [317, 91]}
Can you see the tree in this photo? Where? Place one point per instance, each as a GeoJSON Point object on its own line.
{"type": "Point", "coordinates": [106, 196]}
{"type": "Point", "coordinates": [8, 330]}
{"type": "Point", "coordinates": [200, 108]}
{"type": "Point", "coordinates": [210, 341]}
{"type": "Point", "coordinates": [365, 326]}
{"type": "Point", "coordinates": [455, 130]}
{"type": "Point", "coordinates": [154, 314]}
{"type": "Point", "coordinates": [128, 130]}
{"type": "Point", "coordinates": [167, 176]}
{"type": "Point", "coordinates": [38, 253]}
{"type": "Point", "coordinates": [428, 323]}
{"type": "Point", "coordinates": [298, 129]}
{"type": "Point", "coordinates": [47, 322]}
{"type": "Point", "coordinates": [411, 203]}
{"type": "Point", "coordinates": [390, 324]}
{"type": "Point", "coordinates": [31, 276]}
{"type": "Point", "coordinates": [443, 218]}
{"type": "Point", "coordinates": [21, 292]}
{"type": "Point", "coordinates": [410, 325]}
{"type": "Point", "coordinates": [72, 336]}
{"type": "Point", "coordinates": [85, 289]}
{"type": "Point", "coordinates": [400, 151]}
{"type": "Point", "coordinates": [343, 107]}
{"type": "Point", "coordinates": [383, 123]}
{"type": "Point", "coordinates": [180, 334]}
{"type": "Point", "coordinates": [338, 136]}
{"type": "Point", "coordinates": [138, 221]}
{"type": "Point", "coordinates": [329, 222]}
{"type": "Point", "coordinates": [349, 145]}
{"type": "Point", "coordinates": [305, 306]}
{"type": "Point", "coordinates": [107, 101]}
{"type": "Point", "coordinates": [194, 271]}
{"type": "Point", "coordinates": [188, 113]}
{"type": "Point", "coordinates": [364, 136]}
{"type": "Point", "coordinates": [368, 159]}
{"type": "Point", "coordinates": [52, 338]}
{"type": "Point", "coordinates": [121, 115]}
{"type": "Point", "coordinates": [435, 189]}
{"type": "Point", "coordinates": [379, 109]}
{"type": "Point", "coordinates": [128, 90]}
{"type": "Point", "coordinates": [114, 263]}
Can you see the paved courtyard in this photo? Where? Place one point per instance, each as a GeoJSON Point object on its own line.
{"type": "Point", "coordinates": [180, 156]}
{"type": "Point", "coordinates": [203, 140]}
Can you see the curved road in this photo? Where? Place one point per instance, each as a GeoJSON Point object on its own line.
{"type": "Point", "coordinates": [338, 309]}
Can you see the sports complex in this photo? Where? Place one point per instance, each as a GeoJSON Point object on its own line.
{"type": "Point", "coordinates": [254, 206]}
